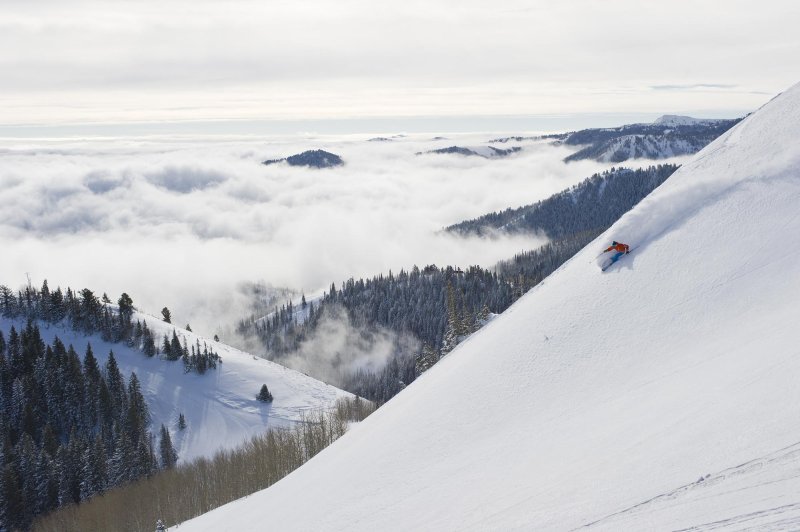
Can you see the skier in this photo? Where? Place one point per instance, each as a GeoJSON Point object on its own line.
{"type": "Point", "coordinates": [619, 247]}
{"type": "Point", "coordinates": [160, 526]}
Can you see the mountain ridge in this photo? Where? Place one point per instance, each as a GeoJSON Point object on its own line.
{"type": "Point", "coordinates": [669, 136]}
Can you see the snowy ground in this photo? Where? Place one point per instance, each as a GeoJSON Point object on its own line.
{"type": "Point", "coordinates": [600, 399]}
{"type": "Point", "coordinates": [220, 407]}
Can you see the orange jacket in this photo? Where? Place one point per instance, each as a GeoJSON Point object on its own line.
{"type": "Point", "coordinates": [620, 247]}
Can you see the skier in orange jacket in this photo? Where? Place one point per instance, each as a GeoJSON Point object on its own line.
{"type": "Point", "coordinates": [619, 247]}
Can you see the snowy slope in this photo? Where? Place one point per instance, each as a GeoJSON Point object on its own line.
{"type": "Point", "coordinates": [600, 399]}
{"type": "Point", "coordinates": [669, 136]}
{"type": "Point", "coordinates": [647, 147]}
{"type": "Point", "coordinates": [680, 120]}
{"type": "Point", "coordinates": [220, 406]}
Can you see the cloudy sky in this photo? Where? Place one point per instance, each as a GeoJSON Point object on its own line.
{"type": "Point", "coordinates": [206, 62]}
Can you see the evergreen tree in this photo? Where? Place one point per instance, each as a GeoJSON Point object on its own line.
{"type": "Point", "coordinates": [175, 350]}
{"type": "Point", "coordinates": [125, 307]}
{"type": "Point", "coordinates": [49, 441]}
{"type": "Point", "coordinates": [116, 388]}
{"type": "Point", "coordinates": [145, 462]}
{"type": "Point", "coordinates": [89, 311]}
{"type": "Point", "coordinates": [264, 395]}
{"type": "Point", "coordinates": [166, 348]}
{"type": "Point", "coordinates": [46, 484]}
{"type": "Point", "coordinates": [167, 452]}
{"type": "Point", "coordinates": [69, 471]}
{"type": "Point", "coordinates": [138, 333]}
{"type": "Point", "coordinates": [149, 344]}
{"type": "Point", "coordinates": [4, 494]}
{"type": "Point", "coordinates": [94, 472]}
{"type": "Point", "coordinates": [119, 466]}
{"type": "Point", "coordinates": [26, 458]}
{"type": "Point", "coordinates": [91, 371]}
{"type": "Point", "coordinates": [45, 312]}
{"type": "Point", "coordinates": [58, 310]}
{"type": "Point", "coordinates": [12, 505]}
{"type": "Point", "coordinates": [137, 417]}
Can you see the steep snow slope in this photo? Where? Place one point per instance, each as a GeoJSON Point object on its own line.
{"type": "Point", "coordinates": [220, 407]}
{"type": "Point", "coordinates": [600, 399]}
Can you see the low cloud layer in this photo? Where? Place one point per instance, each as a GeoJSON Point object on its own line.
{"type": "Point", "coordinates": [181, 222]}
{"type": "Point", "coordinates": [336, 350]}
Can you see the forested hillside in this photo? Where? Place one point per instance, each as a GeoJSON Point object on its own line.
{"type": "Point", "coordinates": [659, 140]}
{"type": "Point", "coordinates": [434, 305]}
{"type": "Point", "coordinates": [84, 312]}
{"type": "Point", "coordinates": [71, 428]}
{"type": "Point", "coordinates": [595, 203]}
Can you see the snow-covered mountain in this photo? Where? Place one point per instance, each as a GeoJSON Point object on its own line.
{"type": "Point", "coordinates": [662, 394]}
{"type": "Point", "coordinates": [487, 152]}
{"type": "Point", "coordinates": [220, 407]}
{"type": "Point", "coordinates": [680, 120]}
{"type": "Point", "coordinates": [642, 147]}
{"type": "Point", "coordinates": [669, 136]}
{"type": "Point", "coordinates": [311, 159]}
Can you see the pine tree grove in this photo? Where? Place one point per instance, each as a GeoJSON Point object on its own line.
{"type": "Point", "coordinates": [69, 429]}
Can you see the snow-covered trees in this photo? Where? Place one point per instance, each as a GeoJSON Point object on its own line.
{"type": "Point", "coordinates": [167, 453]}
{"type": "Point", "coordinates": [190, 489]}
{"type": "Point", "coordinates": [69, 429]}
{"type": "Point", "coordinates": [410, 303]}
{"type": "Point", "coordinates": [85, 313]}
{"type": "Point", "coordinates": [82, 311]}
{"type": "Point", "coordinates": [597, 202]}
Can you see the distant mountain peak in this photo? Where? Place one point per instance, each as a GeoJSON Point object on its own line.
{"type": "Point", "coordinates": [311, 159]}
{"type": "Point", "coordinates": [669, 136]}
{"type": "Point", "coordinates": [682, 120]}
{"type": "Point", "coordinates": [487, 152]}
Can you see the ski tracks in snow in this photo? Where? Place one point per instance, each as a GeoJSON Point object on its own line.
{"type": "Point", "coordinates": [771, 519]}
{"type": "Point", "coordinates": [771, 480]}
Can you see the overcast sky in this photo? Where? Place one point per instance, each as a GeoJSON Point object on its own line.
{"type": "Point", "coordinates": [106, 62]}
